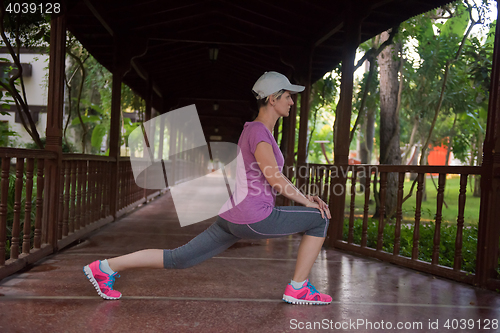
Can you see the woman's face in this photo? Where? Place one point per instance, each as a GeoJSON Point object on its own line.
{"type": "Point", "coordinates": [283, 105]}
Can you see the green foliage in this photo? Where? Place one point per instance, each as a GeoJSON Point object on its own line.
{"type": "Point", "coordinates": [6, 134]}
{"type": "Point", "coordinates": [448, 234]}
{"type": "Point", "coordinates": [66, 148]}
{"type": "Point", "coordinates": [95, 102]}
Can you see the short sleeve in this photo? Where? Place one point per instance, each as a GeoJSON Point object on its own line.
{"type": "Point", "coordinates": [258, 133]}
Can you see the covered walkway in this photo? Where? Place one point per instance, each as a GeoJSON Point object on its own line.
{"type": "Point", "coordinates": [238, 291]}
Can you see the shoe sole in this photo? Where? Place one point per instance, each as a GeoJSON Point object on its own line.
{"type": "Point", "coordinates": [90, 276]}
{"type": "Point", "coordinates": [295, 301]}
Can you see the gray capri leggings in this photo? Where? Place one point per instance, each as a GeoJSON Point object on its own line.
{"type": "Point", "coordinates": [222, 234]}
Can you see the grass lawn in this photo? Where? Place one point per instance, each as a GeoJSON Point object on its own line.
{"type": "Point", "coordinates": [428, 209]}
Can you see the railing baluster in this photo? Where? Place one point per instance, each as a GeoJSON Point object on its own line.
{"type": "Point", "coordinates": [14, 244]}
{"type": "Point", "coordinates": [102, 180]}
{"type": "Point", "coordinates": [99, 191]}
{"type": "Point", "coordinates": [416, 230]}
{"type": "Point", "coordinates": [399, 213]}
{"type": "Point", "coordinates": [72, 196]}
{"type": "Point", "coordinates": [381, 219]}
{"type": "Point", "coordinates": [61, 203]}
{"type": "Point", "coordinates": [439, 216]}
{"type": "Point", "coordinates": [4, 186]}
{"type": "Point", "coordinates": [130, 182]}
{"type": "Point", "coordinates": [91, 191]}
{"type": "Point", "coordinates": [95, 202]}
{"type": "Point", "coordinates": [39, 203]}
{"type": "Point", "coordinates": [78, 208]}
{"type": "Point", "coordinates": [321, 182]}
{"type": "Point", "coordinates": [364, 233]}
{"type": "Point", "coordinates": [307, 179]}
{"type": "Point", "coordinates": [107, 173]}
{"type": "Point", "coordinates": [67, 184]}
{"type": "Point", "coordinates": [317, 179]}
{"type": "Point", "coordinates": [84, 211]}
{"type": "Point", "coordinates": [350, 236]}
{"type": "Point", "coordinates": [457, 263]}
{"type": "Point", "coordinates": [326, 186]}
{"type": "Point", "coordinates": [27, 206]}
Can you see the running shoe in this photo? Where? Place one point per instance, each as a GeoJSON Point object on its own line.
{"type": "Point", "coordinates": [103, 282]}
{"type": "Point", "coordinates": [305, 295]}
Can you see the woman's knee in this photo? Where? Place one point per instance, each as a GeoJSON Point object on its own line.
{"type": "Point", "coordinates": [319, 228]}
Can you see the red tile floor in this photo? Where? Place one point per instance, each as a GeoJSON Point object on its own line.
{"type": "Point", "coordinates": [238, 291]}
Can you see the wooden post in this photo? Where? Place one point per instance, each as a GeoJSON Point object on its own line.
{"type": "Point", "coordinates": [342, 132]}
{"type": "Point", "coordinates": [54, 126]}
{"type": "Point", "coordinates": [487, 244]}
{"type": "Point", "coordinates": [115, 124]}
{"type": "Point", "coordinates": [288, 143]}
{"type": "Point", "coordinates": [305, 97]}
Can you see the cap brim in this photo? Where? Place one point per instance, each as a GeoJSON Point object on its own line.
{"type": "Point", "coordinates": [293, 88]}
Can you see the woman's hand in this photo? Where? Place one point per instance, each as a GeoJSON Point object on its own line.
{"type": "Point", "coordinates": [316, 202]}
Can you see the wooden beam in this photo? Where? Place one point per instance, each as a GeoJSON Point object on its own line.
{"type": "Point", "coordinates": [328, 32]}
{"type": "Point", "coordinates": [99, 17]}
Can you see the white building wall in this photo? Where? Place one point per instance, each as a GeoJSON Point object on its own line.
{"type": "Point", "coordinates": [36, 92]}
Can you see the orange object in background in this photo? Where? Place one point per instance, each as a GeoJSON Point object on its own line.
{"type": "Point", "coordinates": [437, 156]}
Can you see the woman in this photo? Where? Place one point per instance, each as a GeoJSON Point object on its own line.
{"type": "Point", "coordinates": [254, 217]}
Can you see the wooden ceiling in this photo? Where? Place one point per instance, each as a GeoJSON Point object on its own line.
{"type": "Point", "coordinates": [169, 42]}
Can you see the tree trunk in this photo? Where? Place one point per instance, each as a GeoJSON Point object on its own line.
{"type": "Point", "coordinates": [367, 132]}
{"type": "Point", "coordinates": [450, 141]}
{"type": "Point", "coordinates": [390, 152]}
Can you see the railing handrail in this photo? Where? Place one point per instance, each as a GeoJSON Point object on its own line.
{"type": "Point", "coordinates": [27, 153]}
{"type": "Point", "coordinates": [453, 169]}
{"type": "Point", "coordinates": [87, 157]}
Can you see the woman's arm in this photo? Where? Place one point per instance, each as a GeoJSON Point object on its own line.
{"type": "Point", "coordinates": [264, 156]}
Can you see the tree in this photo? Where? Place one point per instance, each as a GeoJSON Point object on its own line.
{"type": "Point", "coordinates": [390, 153]}
{"type": "Point", "coordinates": [21, 30]}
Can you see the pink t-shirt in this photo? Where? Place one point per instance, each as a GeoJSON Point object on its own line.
{"type": "Point", "coordinates": [260, 196]}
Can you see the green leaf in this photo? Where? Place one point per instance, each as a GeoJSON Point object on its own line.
{"type": "Point", "coordinates": [97, 135]}
{"type": "Point", "coordinates": [457, 24]}
{"type": "Point", "coordinates": [85, 119]}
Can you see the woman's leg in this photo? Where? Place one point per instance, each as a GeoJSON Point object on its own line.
{"type": "Point", "coordinates": [291, 220]}
{"type": "Point", "coordinates": [151, 258]}
{"type": "Point", "coordinates": [209, 243]}
{"type": "Point", "coordinates": [308, 252]}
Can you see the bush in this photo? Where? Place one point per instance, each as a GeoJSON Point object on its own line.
{"type": "Point", "coordinates": [426, 241]}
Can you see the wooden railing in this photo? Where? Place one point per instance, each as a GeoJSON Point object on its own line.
{"type": "Point", "coordinates": [83, 202]}
{"type": "Point", "coordinates": [26, 219]}
{"type": "Point", "coordinates": [340, 184]}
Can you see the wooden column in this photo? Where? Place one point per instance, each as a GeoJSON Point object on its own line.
{"type": "Point", "coordinates": [115, 124]}
{"type": "Point", "coordinates": [54, 127]}
{"type": "Point", "coordinates": [291, 122]}
{"type": "Point", "coordinates": [343, 120]}
{"type": "Point", "coordinates": [305, 97]}
{"type": "Point", "coordinates": [487, 245]}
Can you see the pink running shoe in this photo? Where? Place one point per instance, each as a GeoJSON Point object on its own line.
{"type": "Point", "coordinates": [305, 295]}
{"type": "Point", "coordinates": [103, 282]}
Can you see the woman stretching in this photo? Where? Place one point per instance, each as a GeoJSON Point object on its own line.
{"type": "Point", "coordinates": [255, 217]}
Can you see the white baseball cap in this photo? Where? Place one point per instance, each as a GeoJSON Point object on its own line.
{"type": "Point", "coordinates": [271, 82]}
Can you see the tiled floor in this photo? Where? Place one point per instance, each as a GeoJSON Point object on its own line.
{"type": "Point", "coordinates": [238, 291]}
